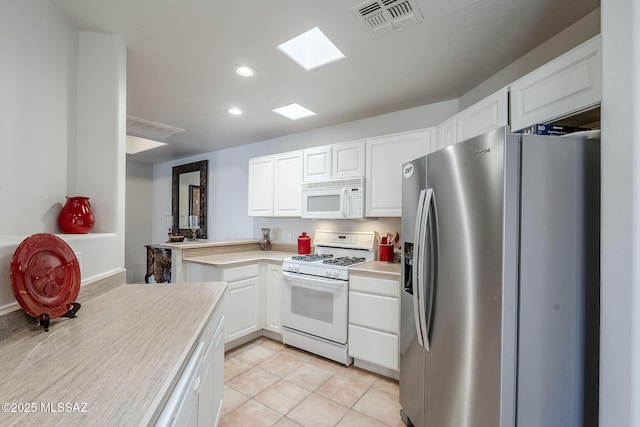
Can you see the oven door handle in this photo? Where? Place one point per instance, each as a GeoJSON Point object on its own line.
{"type": "Point", "coordinates": [317, 282]}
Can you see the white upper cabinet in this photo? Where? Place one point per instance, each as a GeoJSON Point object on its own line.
{"type": "Point", "coordinates": [275, 184]}
{"type": "Point", "coordinates": [564, 86]}
{"type": "Point", "coordinates": [317, 163]}
{"type": "Point", "coordinates": [490, 113]}
{"type": "Point", "coordinates": [260, 201]}
{"type": "Point", "coordinates": [287, 185]}
{"type": "Point", "coordinates": [336, 161]}
{"type": "Point", "coordinates": [347, 160]}
{"type": "Point", "coordinates": [446, 134]}
{"type": "Point", "coordinates": [385, 157]}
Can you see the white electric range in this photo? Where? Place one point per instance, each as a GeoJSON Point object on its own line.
{"type": "Point", "coordinates": [315, 298]}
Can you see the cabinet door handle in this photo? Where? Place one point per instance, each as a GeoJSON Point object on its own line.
{"type": "Point", "coordinates": [196, 384]}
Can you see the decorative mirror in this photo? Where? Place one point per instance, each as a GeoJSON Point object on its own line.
{"type": "Point", "coordinates": [189, 198]}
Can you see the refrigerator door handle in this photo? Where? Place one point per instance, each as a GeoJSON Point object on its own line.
{"type": "Point", "coordinates": [430, 275]}
{"type": "Point", "coordinates": [416, 274]}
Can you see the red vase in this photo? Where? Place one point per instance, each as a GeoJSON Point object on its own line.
{"type": "Point", "coordinates": [76, 216]}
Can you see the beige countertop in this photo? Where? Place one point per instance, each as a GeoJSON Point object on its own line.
{"type": "Point", "coordinates": [377, 269]}
{"type": "Point", "coordinates": [197, 244]}
{"type": "Point", "coordinates": [372, 268]}
{"type": "Point", "coordinates": [240, 258]}
{"type": "Point", "coordinates": [115, 364]}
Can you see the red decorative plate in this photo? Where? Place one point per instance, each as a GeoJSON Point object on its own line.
{"type": "Point", "coordinates": [45, 275]}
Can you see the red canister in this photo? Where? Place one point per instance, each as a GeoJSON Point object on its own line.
{"type": "Point", "coordinates": [304, 244]}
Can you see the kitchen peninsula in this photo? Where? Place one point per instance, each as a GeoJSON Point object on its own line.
{"type": "Point", "coordinates": [123, 360]}
{"type": "Point", "coordinates": [226, 252]}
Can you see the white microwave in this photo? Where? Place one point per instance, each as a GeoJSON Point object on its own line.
{"type": "Point", "coordinates": [335, 199]}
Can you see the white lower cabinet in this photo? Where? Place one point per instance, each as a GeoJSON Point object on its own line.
{"type": "Point", "coordinates": [212, 383]}
{"type": "Point", "coordinates": [242, 301]}
{"type": "Point", "coordinates": [243, 304]}
{"type": "Point", "coordinates": [197, 397]}
{"type": "Point", "coordinates": [273, 290]}
{"type": "Point", "coordinates": [374, 323]}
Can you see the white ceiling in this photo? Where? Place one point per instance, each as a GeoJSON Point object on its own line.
{"type": "Point", "coordinates": [181, 56]}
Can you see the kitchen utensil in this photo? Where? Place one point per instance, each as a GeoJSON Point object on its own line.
{"type": "Point", "coordinates": [395, 239]}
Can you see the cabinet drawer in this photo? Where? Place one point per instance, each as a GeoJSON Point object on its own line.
{"type": "Point", "coordinates": [373, 285]}
{"type": "Point", "coordinates": [374, 311]}
{"type": "Point", "coordinates": [374, 347]}
{"type": "Point", "coordinates": [233, 274]}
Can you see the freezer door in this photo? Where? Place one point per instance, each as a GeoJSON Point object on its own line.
{"type": "Point", "coordinates": [412, 352]}
{"type": "Point", "coordinates": [463, 366]}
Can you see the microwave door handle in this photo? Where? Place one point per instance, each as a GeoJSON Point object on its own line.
{"type": "Point", "coordinates": [343, 202]}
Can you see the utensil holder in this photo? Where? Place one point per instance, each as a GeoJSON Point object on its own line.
{"type": "Point", "coordinates": [385, 253]}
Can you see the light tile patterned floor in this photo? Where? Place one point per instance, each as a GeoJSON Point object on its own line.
{"type": "Point", "coordinates": [269, 384]}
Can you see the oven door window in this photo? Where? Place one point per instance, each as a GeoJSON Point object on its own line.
{"type": "Point", "coordinates": [316, 306]}
{"type": "Point", "coordinates": [310, 303]}
{"type": "Point", "coordinates": [323, 203]}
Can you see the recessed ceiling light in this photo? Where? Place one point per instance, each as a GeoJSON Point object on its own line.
{"type": "Point", "coordinates": [135, 144]}
{"type": "Point", "coordinates": [294, 111]}
{"type": "Point", "coordinates": [311, 49]}
{"type": "Point", "coordinates": [235, 111]}
{"type": "Point", "coordinates": [245, 71]}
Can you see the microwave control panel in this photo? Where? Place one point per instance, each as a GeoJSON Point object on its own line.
{"type": "Point", "coordinates": [354, 203]}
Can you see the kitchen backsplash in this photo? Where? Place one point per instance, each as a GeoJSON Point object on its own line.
{"type": "Point", "coordinates": [287, 230]}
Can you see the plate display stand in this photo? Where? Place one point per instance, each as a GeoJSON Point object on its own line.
{"type": "Point", "coordinates": [45, 319]}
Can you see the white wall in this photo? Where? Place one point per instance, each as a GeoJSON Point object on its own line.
{"type": "Point", "coordinates": [228, 175]}
{"type": "Point", "coordinates": [572, 36]}
{"type": "Point", "coordinates": [62, 117]}
{"type": "Point", "coordinates": [620, 230]}
{"type": "Point", "coordinates": [39, 51]}
{"type": "Point", "coordinates": [139, 200]}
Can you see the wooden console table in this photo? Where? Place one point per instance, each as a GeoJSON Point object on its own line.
{"type": "Point", "coordinates": [158, 264]}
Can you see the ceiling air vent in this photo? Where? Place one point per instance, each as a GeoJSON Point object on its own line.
{"type": "Point", "coordinates": [147, 129]}
{"type": "Point", "coordinates": [383, 16]}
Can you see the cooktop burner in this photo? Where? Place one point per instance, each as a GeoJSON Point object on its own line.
{"type": "Point", "coordinates": [345, 260]}
{"type": "Point", "coordinates": [311, 257]}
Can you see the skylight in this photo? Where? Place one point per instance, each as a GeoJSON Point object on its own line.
{"type": "Point", "coordinates": [311, 49]}
{"type": "Point", "coordinates": [136, 144]}
{"type": "Point", "coordinates": [294, 111]}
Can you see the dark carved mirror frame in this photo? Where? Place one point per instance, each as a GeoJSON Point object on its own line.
{"type": "Point", "coordinates": [202, 167]}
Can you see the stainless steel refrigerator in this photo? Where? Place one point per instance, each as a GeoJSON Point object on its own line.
{"type": "Point", "coordinates": [500, 260]}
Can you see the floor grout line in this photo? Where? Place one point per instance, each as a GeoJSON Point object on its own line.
{"type": "Point", "coordinates": [300, 358]}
